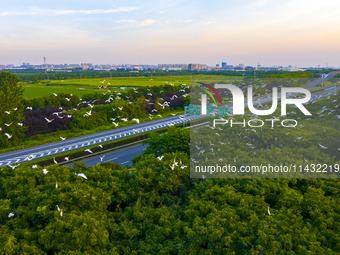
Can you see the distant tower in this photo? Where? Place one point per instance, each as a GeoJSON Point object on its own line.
{"type": "Point", "coordinates": [46, 68]}
{"type": "Point", "coordinates": [45, 65]}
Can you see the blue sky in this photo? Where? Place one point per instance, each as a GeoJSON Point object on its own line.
{"type": "Point", "coordinates": [271, 32]}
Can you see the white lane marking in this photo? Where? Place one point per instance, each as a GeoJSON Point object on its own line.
{"type": "Point", "coordinates": [49, 153]}
{"type": "Point", "coordinates": [124, 162]}
{"type": "Point", "coordinates": [76, 146]}
{"type": "Point", "coordinates": [0, 164]}
{"type": "Point", "coordinates": [110, 159]}
{"type": "Point", "coordinates": [63, 149]}
{"type": "Point", "coordinates": [17, 161]}
{"type": "Point", "coordinates": [56, 151]}
{"type": "Point", "coordinates": [9, 162]}
{"type": "Point", "coordinates": [82, 145]}
{"type": "Point", "coordinates": [70, 148]}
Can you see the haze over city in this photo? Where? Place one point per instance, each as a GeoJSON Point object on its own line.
{"type": "Point", "coordinates": [298, 33]}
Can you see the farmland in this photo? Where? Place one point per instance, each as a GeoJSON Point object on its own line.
{"type": "Point", "coordinates": [80, 87]}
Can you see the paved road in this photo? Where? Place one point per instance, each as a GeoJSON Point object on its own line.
{"type": "Point", "coordinates": [123, 156]}
{"type": "Point", "coordinates": [321, 80]}
{"type": "Point", "coordinates": [55, 148]}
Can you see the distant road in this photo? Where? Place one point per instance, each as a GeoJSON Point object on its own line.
{"type": "Point", "coordinates": [69, 145]}
{"type": "Point", "coordinates": [123, 156]}
{"type": "Point", "coordinates": [321, 80]}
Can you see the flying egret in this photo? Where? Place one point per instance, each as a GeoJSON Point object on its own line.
{"type": "Point", "coordinates": [82, 175]}
{"type": "Point", "coordinates": [323, 147]}
{"type": "Point", "coordinates": [49, 121]}
{"type": "Point", "coordinates": [55, 162]}
{"type": "Point", "coordinates": [63, 138]}
{"type": "Point", "coordinates": [268, 210]}
{"type": "Point", "coordinates": [137, 120]}
{"type": "Point", "coordinates": [45, 171]}
{"type": "Point", "coordinates": [67, 158]}
{"type": "Point", "coordinates": [160, 157]}
{"type": "Point", "coordinates": [10, 215]}
{"type": "Point", "coordinates": [56, 184]}
{"type": "Point", "coordinates": [8, 135]}
{"type": "Point", "coordinates": [88, 150]}
{"type": "Point", "coordinates": [101, 158]}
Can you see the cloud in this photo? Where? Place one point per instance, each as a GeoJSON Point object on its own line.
{"type": "Point", "coordinates": [146, 22]}
{"type": "Point", "coordinates": [49, 12]}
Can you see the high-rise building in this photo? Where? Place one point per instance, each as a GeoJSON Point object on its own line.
{"type": "Point", "coordinates": [224, 65]}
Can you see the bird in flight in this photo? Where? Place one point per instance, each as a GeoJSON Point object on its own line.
{"type": "Point", "coordinates": [67, 158]}
{"type": "Point", "coordinates": [63, 138]}
{"type": "Point", "coordinates": [160, 157]}
{"type": "Point", "coordinates": [13, 166]}
{"type": "Point", "coordinates": [8, 135]}
{"type": "Point", "coordinates": [101, 158]}
{"type": "Point", "coordinates": [135, 119]}
{"type": "Point", "coordinates": [10, 215]}
{"type": "Point", "coordinates": [8, 124]}
{"type": "Point", "coordinates": [323, 147]}
{"type": "Point", "coordinates": [116, 124]}
{"type": "Point", "coordinates": [7, 112]}
{"type": "Point", "coordinates": [88, 150]}
{"type": "Point", "coordinates": [55, 162]}
{"type": "Point", "coordinates": [268, 210]}
{"type": "Point", "coordinates": [101, 146]}
{"type": "Point", "coordinates": [45, 171]}
{"type": "Point", "coordinates": [82, 175]}
{"type": "Point", "coordinates": [49, 121]}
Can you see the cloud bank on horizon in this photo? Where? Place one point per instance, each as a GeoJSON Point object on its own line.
{"type": "Point", "coordinates": [303, 33]}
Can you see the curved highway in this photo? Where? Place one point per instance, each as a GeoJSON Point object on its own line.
{"type": "Point", "coordinates": [55, 148]}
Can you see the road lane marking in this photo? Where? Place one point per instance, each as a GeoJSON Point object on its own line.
{"type": "Point", "coordinates": [124, 162]}
{"type": "Point", "coordinates": [110, 159]}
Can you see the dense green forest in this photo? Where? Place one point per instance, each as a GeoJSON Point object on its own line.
{"type": "Point", "coordinates": [154, 207]}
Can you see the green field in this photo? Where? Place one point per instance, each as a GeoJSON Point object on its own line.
{"type": "Point", "coordinates": [80, 87]}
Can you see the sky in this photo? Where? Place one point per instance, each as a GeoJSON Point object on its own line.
{"type": "Point", "coordinates": [269, 32]}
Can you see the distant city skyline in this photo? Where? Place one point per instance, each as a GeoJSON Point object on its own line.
{"type": "Point", "coordinates": [270, 32]}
